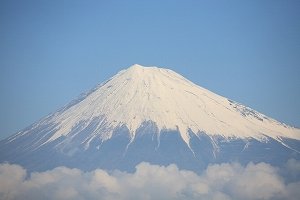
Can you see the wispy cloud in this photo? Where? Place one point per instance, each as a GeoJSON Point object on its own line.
{"type": "Point", "coordinates": [224, 181]}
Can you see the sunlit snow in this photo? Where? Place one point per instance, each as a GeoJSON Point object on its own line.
{"type": "Point", "coordinates": [140, 94]}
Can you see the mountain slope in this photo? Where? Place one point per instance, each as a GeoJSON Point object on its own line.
{"type": "Point", "coordinates": [142, 109]}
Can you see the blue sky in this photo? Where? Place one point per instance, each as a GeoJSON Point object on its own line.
{"type": "Point", "coordinates": [51, 51]}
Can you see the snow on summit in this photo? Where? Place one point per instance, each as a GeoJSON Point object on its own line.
{"type": "Point", "coordinates": [141, 94]}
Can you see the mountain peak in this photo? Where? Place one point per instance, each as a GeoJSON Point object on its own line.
{"type": "Point", "coordinates": [136, 68]}
{"type": "Point", "coordinates": [171, 102]}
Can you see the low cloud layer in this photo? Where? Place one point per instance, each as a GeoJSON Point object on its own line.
{"type": "Point", "coordinates": [217, 182]}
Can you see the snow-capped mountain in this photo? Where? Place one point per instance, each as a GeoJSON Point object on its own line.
{"type": "Point", "coordinates": [155, 115]}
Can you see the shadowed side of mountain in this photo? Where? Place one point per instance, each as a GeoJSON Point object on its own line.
{"type": "Point", "coordinates": [149, 145]}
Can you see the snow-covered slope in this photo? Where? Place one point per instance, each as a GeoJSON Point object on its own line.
{"type": "Point", "coordinates": [140, 94]}
{"type": "Point", "coordinates": [155, 115]}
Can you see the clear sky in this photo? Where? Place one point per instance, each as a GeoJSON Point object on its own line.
{"type": "Point", "coordinates": [51, 51]}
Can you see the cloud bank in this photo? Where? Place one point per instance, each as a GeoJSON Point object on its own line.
{"type": "Point", "coordinates": [217, 182]}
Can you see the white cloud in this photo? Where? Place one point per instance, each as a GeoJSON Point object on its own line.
{"type": "Point", "coordinates": [293, 167]}
{"type": "Point", "coordinates": [217, 182]}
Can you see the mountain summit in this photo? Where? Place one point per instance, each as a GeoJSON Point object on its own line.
{"type": "Point", "coordinates": [140, 94]}
{"type": "Point", "coordinates": [114, 124]}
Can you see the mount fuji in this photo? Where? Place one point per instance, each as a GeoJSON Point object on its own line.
{"type": "Point", "coordinates": [155, 115]}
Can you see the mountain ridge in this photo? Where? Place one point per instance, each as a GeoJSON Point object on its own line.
{"type": "Point", "coordinates": [177, 115]}
{"type": "Point", "coordinates": [144, 112]}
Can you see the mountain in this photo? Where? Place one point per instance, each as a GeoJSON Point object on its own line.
{"type": "Point", "coordinates": [155, 115]}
